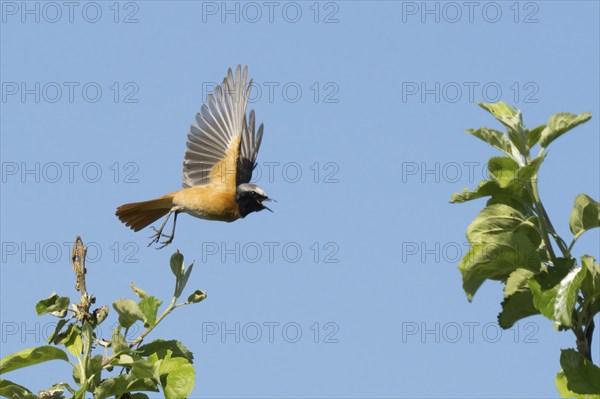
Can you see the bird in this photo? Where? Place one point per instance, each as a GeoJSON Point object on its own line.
{"type": "Point", "coordinates": [220, 156]}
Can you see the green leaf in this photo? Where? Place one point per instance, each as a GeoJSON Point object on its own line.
{"type": "Point", "coordinates": [566, 296]}
{"type": "Point", "coordinates": [496, 139]}
{"type": "Point", "coordinates": [31, 356]}
{"type": "Point", "coordinates": [54, 392]}
{"type": "Point", "coordinates": [177, 264]}
{"type": "Point", "coordinates": [161, 347]}
{"type": "Point", "coordinates": [9, 389]}
{"type": "Point", "coordinates": [560, 123]}
{"type": "Point", "coordinates": [73, 341]}
{"type": "Point", "coordinates": [493, 221]}
{"type": "Point", "coordinates": [517, 282]}
{"type": "Point", "coordinates": [499, 109]}
{"type": "Point", "coordinates": [561, 387]}
{"type": "Point", "coordinates": [585, 214]}
{"type": "Point", "coordinates": [87, 337]}
{"type": "Point", "coordinates": [55, 305]}
{"type": "Point", "coordinates": [528, 172]}
{"type": "Point", "coordinates": [515, 197]}
{"type": "Point", "coordinates": [503, 170]}
{"type": "Point", "coordinates": [583, 377]}
{"type": "Point", "coordinates": [533, 135]}
{"type": "Point", "coordinates": [92, 368]}
{"type": "Point", "coordinates": [99, 315]}
{"type": "Point", "coordinates": [182, 281]}
{"type": "Point", "coordinates": [177, 377]}
{"type": "Point", "coordinates": [555, 291]}
{"type": "Point", "coordinates": [143, 368]}
{"type": "Point", "coordinates": [149, 307]}
{"type": "Point", "coordinates": [61, 323]}
{"type": "Point", "coordinates": [543, 300]}
{"type": "Point", "coordinates": [485, 189]}
{"type": "Point", "coordinates": [554, 273]}
{"type": "Point", "coordinates": [118, 342]}
{"type": "Point", "coordinates": [497, 260]}
{"type": "Point", "coordinates": [196, 296]}
{"type": "Point", "coordinates": [126, 383]}
{"type": "Point", "coordinates": [507, 115]}
{"type": "Point", "coordinates": [518, 300]}
{"type": "Point", "coordinates": [138, 291]}
{"type": "Point", "coordinates": [511, 118]}
{"type": "Point", "coordinates": [128, 311]}
{"type": "Point", "coordinates": [507, 173]}
{"type": "Point", "coordinates": [590, 287]}
{"type": "Point", "coordinates": [516, 307]}
{"type": "Point", "coordinates": [125, 359]}
{"type": "Point", "coordinates": [62, 336]}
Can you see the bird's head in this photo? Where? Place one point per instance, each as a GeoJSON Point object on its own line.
{"type": "Point", "coordinates": [250, 198]}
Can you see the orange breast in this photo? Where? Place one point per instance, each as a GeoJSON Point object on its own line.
{"type": "Point", "coordinates": [211, 201]}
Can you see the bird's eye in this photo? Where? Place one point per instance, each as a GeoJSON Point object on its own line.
{"type": "Point", "coordinates": [253, 193]}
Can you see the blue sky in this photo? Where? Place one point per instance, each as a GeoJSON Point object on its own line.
{"type": "Point", "coordinates": [351, 283]}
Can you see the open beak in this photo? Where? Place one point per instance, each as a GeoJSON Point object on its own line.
{"type": "Point", "coordinates": [268, 200]}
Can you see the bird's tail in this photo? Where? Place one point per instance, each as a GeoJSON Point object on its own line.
{"type": "Point", "coordinates": [138, 215]}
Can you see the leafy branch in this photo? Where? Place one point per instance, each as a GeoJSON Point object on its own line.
{"type": "Point", "coordinates": [512, 241]}
{"type": "Point", "coordinates": [160, 364]}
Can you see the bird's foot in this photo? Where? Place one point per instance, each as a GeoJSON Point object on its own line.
{"type": "Point", "coordinates": [155, 238]}
{"type": "Point", "coordinates": [169, 239]}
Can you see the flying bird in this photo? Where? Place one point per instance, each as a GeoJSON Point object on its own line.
{"type": "Point", "coordinates": [221, 152]}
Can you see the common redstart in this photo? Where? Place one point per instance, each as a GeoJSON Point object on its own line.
{"type": "Point", "coordinates": [222, 147]}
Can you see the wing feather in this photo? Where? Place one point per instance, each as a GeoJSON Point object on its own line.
{"type": "Point", "coordinates": [248, 149]}
{"type": "Point", "coordinates": [213, 140]}
{"type": "Point", "coordinates": [222, 145]}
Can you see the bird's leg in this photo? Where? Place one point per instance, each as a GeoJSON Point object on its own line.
{"type": "Point", "coordinates": [158, 233]}
{"type": "Point", "coordinates": [169, 239]}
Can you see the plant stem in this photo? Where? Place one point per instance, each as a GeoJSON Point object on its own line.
{"type": "Point", "coordinates": [78, 263]}
{"type": "Point", "coordinates": [542, 218]}
{"type": "Point", "coordinates": [589, 334]}
{"type": "Point", "coordinates": [575, 239]}
{"type": "Point", "coordinates": [83, 308]}
{"type": "Point", "coordinates": [138, 340]}
{"type": "Point", "coordinates": [559, 241]}
{"type": "Point", "coordinates": [83, 377]}
{"type": "Point", "coordinates": [164, 314]}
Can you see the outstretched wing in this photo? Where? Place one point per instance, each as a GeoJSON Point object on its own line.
{"type": "Point", "coordinates": [248, 150]}
{"type": "Point", "coordinates": [215, 140]}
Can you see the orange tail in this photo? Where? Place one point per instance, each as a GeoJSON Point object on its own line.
{"type": "Point", "coordinates": [140, 214]}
